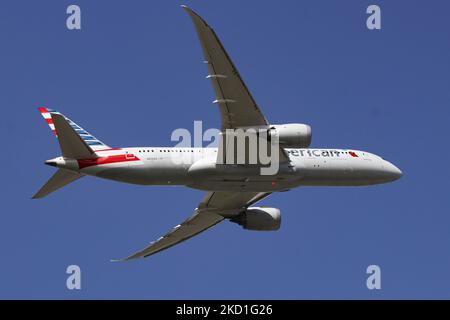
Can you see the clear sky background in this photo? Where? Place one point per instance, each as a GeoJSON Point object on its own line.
{"type": "Point", "coordinates": [134, 73]}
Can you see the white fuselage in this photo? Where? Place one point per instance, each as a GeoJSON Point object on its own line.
{"type": "Point", "coordinates": [197, 168]}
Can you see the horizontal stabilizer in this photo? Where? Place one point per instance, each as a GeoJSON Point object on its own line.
{"type": "Point", "coordinates": [61, 178]}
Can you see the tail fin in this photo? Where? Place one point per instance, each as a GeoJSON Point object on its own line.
{"type": "Point", "coordinates": [66, 125]}
{"type": "Point", "coordinates": [61, 178]}
{"type": "Point", "coordinates": [72, 145]}
{"type": "Point", "coordinates": [75, 143]}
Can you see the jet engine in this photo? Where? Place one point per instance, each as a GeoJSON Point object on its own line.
{"type": "Point", "coordinates": [259, 218]}
{"type": "Point", "coordinates": [291, 135]}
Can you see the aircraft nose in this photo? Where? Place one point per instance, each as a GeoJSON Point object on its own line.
{"type": "Point", "coordinates": [393, 173]}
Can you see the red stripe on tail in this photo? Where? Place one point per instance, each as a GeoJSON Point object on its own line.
{"type": "Point", "coordinates": [84, 163]}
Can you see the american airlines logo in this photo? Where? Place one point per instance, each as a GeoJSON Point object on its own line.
{"type": "Point", "coordinates": [321, 153]}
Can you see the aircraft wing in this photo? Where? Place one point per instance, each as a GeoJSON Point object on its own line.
{"type": "Point", "coordinates": [229, 203]}
{"type": "Point", "coordinates": [210, 212]}
{"type": "Point", "coordinates": [237, 106]}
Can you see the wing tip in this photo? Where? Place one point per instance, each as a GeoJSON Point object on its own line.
{"type": "Point", "coordinates": [194, 15]}
{"type": "Point", "coordinates": [186, 8]}
{"type": "Point", "coordinates": [124, 259]}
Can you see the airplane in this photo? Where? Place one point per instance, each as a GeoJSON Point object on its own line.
{"type": "Point", "coordinates": [232, 189]}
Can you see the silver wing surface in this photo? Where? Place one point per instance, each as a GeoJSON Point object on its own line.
{"type": "Point", "coordinates": [237, 107]}
{"type": "Point", "coordinates": [213, 209]}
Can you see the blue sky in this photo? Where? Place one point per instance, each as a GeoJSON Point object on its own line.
{"type": "Point", "coordinates": [134, 73]}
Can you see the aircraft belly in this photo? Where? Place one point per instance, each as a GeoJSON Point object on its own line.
{"type": "Point", "coordinates": [144, 173]}
{"type": "Point", "coordinates": [339, 172]}
{"type": "Point", "coordinates": [210, 176]}
{"type": "Point", "coordinates": [243, 186]}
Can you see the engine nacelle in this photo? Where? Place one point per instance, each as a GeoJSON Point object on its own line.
{"type": "Point", "coordinates": [258, 218]}
{"type": "Point", "coordinates": [292, 135]}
